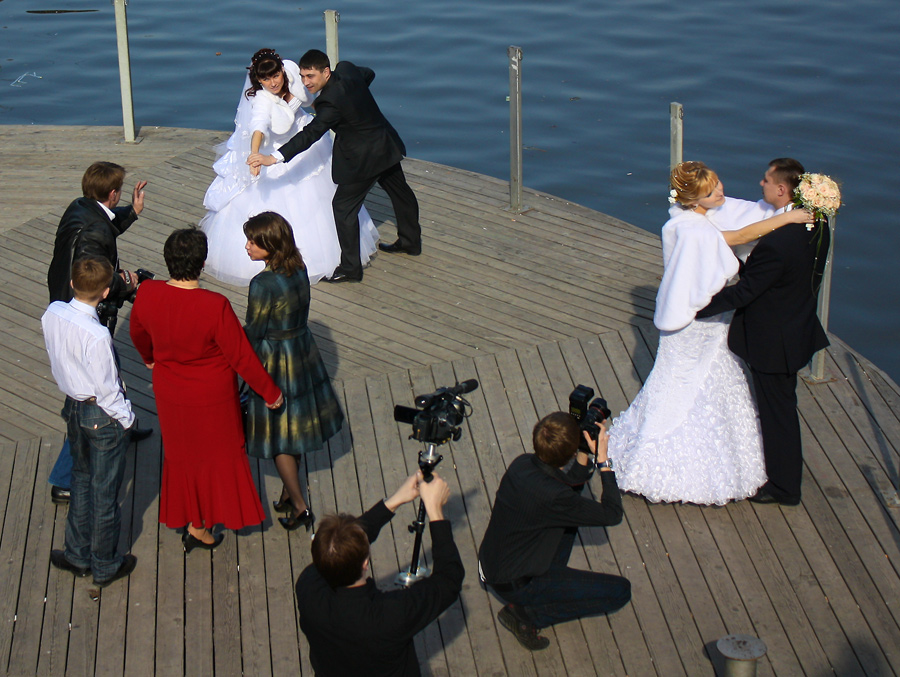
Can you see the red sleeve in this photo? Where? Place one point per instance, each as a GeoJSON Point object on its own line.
{"type": "Point", "coordinates": [233, 343]}
{"type": "Point", "coordinates": [140, 337]}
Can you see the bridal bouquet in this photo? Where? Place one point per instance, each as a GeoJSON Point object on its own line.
{"type": "Point", "coordinates": [818, 194]}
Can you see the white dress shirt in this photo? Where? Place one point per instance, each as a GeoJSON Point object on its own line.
{"type": "Point", "coordinates": [82, 359]}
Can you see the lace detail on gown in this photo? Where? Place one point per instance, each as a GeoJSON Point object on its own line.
{"type": "Point", "coordinates": [692, 433]}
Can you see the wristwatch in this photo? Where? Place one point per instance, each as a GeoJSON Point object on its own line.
{"type": "Point", "coordinates": [608, 464]}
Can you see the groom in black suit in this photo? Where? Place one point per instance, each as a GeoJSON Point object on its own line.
{"type": "Point", "coordinates": [776, 329]}
{"type": "Point", "coordinates": [366, 149]}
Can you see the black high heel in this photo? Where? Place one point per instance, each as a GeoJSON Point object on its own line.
{"type": "Point", "coordinates": [190, 542]}
{"type": "Point", "coordinates": [305, 519]}
{"type": "Point", "coordinates": [283, 505]}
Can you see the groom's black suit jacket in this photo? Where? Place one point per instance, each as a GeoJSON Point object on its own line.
{"type": "Point", "coordinates": [365, 143]}
{"type": "Point", "coordinates": [775, 326]}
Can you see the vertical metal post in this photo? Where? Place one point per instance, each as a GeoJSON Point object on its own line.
{"type": "Point", "coordinates": [124, 70]}
{"type": "Point", "coordinates": [676, 134]}
{"type": "Point", "coordinates": [817, 366]}
{"type": "Point", "coordinates": [515, 128]}
{"type": "Point", "coordinates": [332, 19]}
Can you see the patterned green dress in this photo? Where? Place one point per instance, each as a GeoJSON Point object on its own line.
{"type": "Point", "coordinates": [277, 312]}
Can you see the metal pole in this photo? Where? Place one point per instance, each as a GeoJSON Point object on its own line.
{"type": "Point", "coordinates": [515, 128]}
{"type": "Point", "coordinates": [125, 70]}
{"type": "Point", "coordinates": [676, 133]}
{"type": "Point", "coordinates": [332, 18]}
{"type": "Point", "coordinates": [817, 366]}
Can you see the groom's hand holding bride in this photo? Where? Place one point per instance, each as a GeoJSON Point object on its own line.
{"type": "Point", "coordinates": [257, 159]}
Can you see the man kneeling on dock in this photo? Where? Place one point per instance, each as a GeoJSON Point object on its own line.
{"type": "Point", "coordinates": [536, 516]}
{"type": "Point", "coordinates": [353, 628]}
{"type": "Point", "coordinates": [99, 424]}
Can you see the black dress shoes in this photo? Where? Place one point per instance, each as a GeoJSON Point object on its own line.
{"type": "Point", "coordinates": [60, 496]}
{"type": "Point", "coordinates": [295, 521]}
{"type": "Point", "coordinates": [129, 562]}
{"type": "Point", "coordinates": [139, 434]}
{"type": "Point", "coordinates": [58, 559]}
{"type": "Point", "coordinates": [765, 496]}
{"type": "Point", "coordinates": [190, 542]}
{"type": "Point", "coordinates": [397, 248]}
{"type": "Point", "coordinates": [340, 276]}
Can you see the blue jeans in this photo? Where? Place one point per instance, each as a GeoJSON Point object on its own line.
{"type": "Point", "coordinates": [98, 443]}
{"type": "Point", "coordinates": [61, 475]}
{"type": "Point", "coordinates": [564, 594]}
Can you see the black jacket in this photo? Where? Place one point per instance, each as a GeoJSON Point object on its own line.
{"type": "Point", "coordinates": [85, 230]}
{"type": "Point", "coordinates": [535, 504]}
{"type": "Point", "coordinates": [364, 631]}
{"type": "Point", "coordinates": [365, 143]}
{"type": "Point", "coordinates": [775, 327]}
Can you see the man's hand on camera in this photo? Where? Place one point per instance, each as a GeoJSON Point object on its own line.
{"type": "Point", "coordinates": [407, 492]}
{"type": "Point", "coordinates": [130, 279]}
{"type": "Point", "coordinates": [434, 495]}
{"type": "Point", "coordinates": [599, 447]}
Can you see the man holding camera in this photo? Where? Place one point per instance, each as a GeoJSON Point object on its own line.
{"type": "Point", "coordinates": [353, 628]}
{"type": "Point", "coordinates": [88, 229]}
{"type": "Point", "coordinates": [537, 511]}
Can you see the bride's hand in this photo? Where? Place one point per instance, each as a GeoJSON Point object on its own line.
{"type": "Point", "coordinates": [800, 216]}
{"type": "Point", "coordinates": [254, 171]}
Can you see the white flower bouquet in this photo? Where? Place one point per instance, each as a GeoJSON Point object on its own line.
{"type": "Point", "coordinates": [818, 194]}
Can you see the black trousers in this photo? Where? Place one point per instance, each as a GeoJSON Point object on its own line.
{"type": "Point", "coordinates": [348, 200]}
{"type": "Point", "coordinates": [776, 399]}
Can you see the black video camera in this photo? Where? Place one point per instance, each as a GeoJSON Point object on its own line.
{"type": "Point", "coordinates": [588, 413]}
{"type": "Point", "coordinates": [141, 274]}
{"type": "Point", "coordinates": [437, 416]}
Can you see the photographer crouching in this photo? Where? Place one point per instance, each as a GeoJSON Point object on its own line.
{"type": "Point", "coordinates": [537, 511]}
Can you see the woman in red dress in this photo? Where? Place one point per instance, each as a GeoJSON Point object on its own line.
{"type": "Point", "coordinates": [195, 345]}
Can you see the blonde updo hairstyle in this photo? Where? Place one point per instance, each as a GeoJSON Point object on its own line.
{"type": "Point", "coordinates": [691, 182]}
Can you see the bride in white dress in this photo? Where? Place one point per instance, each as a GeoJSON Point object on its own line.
{"type": "Point", "coordinates": [692, 433]}
{"type": "Point", "coordinates": [269, 114]}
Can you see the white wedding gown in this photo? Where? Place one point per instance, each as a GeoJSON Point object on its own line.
{"type": "Point", "coordinates": [299, 190]}
{"type": "Point", "coordinates": [692, 433]}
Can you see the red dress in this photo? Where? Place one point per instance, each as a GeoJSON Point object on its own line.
{"type": "Point", "coordinates": [196, 344]}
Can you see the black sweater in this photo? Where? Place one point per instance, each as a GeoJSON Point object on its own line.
{"type": "Point", "coordinates": [364, 631]}
{"type": "Point", "coordinates": [534, 506]}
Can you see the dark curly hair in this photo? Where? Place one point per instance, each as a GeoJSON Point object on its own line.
{"type": "Point", "coordinates": [185, 253]}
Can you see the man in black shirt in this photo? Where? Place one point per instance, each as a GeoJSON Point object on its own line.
{"type": "Point", "coordinates": [536, 516]}
{"type": "Point", "coordinates": [353, 628]}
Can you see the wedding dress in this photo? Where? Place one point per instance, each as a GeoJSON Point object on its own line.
{"type": "Point", "coordinates": [299, 190]}
{"type": "Point", "coordinates": [692, 433]}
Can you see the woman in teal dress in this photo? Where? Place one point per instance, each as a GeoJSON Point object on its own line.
{"type": "Point", "coordinates": [277, 312]}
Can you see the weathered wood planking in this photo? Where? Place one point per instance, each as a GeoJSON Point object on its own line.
{"type": "Point", "coordinates": [529, 304]}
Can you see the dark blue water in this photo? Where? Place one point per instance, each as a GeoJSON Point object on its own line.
{"type": "Point", "coordinates": [758, 79]}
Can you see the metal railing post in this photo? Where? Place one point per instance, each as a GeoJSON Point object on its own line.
{"type": "Point", "coordinates": [676, 134]}
{"type": "Point", "coordinates": [124, 70]}
{"type": "Point", "coordinates": [515, 128]}
{"type": "Point", "coordinates": [332, 19]}
{"type": "Point", "coordinates": [817, 365]}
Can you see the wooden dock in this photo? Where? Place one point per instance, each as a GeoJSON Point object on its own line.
{"type": "Point", "coordinates": [528, 304]}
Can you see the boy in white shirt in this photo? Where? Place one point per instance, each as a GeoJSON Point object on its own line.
{"type": "Point", "coordinates": [99, 425]}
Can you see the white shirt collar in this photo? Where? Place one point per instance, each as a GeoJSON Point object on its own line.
{"type": "Point", "coordinates": [85, 308]}
{"type": "Point", "coordinates": [109, 212]}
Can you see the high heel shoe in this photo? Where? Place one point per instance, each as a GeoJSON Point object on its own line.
{"type": "Point", "coordinates": [190, 542]}
{"type": "Point", "coordinates": [305, 519]}
{"type": "Point", "coordinates": [283, 505]}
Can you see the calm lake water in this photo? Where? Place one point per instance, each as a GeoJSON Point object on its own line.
{"type": "Point", "coordinates": [758, 79]}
